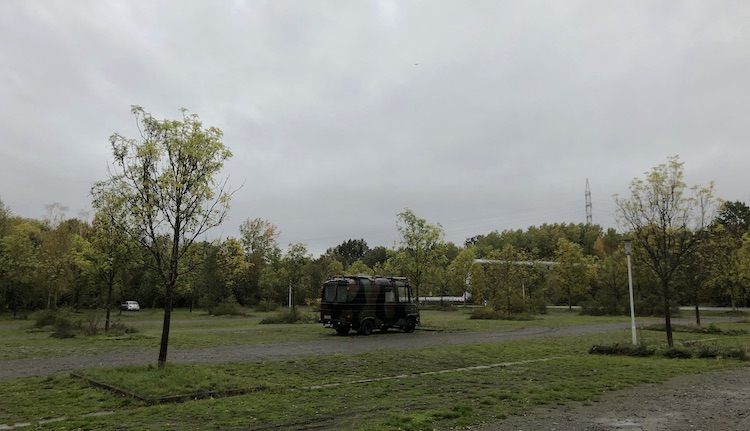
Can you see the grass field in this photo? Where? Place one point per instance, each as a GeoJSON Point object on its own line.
{"type": "Point", "coordinates": [438, 387]}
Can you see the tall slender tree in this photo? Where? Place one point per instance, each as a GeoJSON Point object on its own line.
{"type": "Point", "coordinates": [572, 274]}
{"type": "Point", "coordinates": [422, 245]}
{"type": "Point", "coordinates": [164, 184]}
{"type": "Point", "coordinates": [295, 262]}
{"type": "Point", "coordinates": [111, 254]}
{"type": "Point", "coordinates": [260, 238]}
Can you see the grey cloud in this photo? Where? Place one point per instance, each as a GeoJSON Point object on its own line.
{"type": "Point", "coordinates": [481, 116]}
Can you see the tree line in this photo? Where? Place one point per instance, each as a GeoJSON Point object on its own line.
{"type": "Point", "coordinates": [162, 195]}
{"type": "Point", "coordinates": [71, 262]}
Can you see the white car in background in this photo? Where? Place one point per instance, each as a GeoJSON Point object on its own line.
{"type": "Point", "coordinates": [130, 306]}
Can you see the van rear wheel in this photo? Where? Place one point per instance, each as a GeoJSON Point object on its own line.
{"type": "Point", "coordinates": [343, 329]}
{"type": "Point", "coordinates": [367, 327]}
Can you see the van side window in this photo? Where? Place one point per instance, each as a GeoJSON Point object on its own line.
{"type": "Point", "coordinates": [390, 295]}
{"type": "Point", "coordinates": [403, 294]}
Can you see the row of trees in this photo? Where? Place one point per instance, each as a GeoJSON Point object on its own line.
{"type": "Point", "coordinates": [59, 261]}
{"type": "Point", "coordinates": [71, 262]}
{"type": "Point", "coordinates": [162, 195]}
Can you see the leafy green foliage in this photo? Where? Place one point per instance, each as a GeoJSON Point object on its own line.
{"type": "Point", "coordinates": [421, 248]}
{"type": "Point", "coordinates": [230, 307]}
{"type": "Point", "coordinates": [666, 219]}
{"type": "Point", "coordinates": [734, 217]}
{"type": "Point", "coordinates": [163, 193]}
{"type": "Point", "coordinates": [540, 242]}
{"type": "Point", "coordinates": [350, 251]}
{"type": "Point", "coordinates": [572, 274]}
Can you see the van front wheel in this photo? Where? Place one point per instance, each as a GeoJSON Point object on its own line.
{"type": "Point", "coordinates": [411, 324]}
{"type": "Point", "coordinates": [367, 327]}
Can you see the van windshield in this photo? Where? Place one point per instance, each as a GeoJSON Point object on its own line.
{"type": "Point", "coordinates": [334, 293]}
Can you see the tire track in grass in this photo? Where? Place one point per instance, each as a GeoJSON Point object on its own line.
{"type": "Point", "coordinates": [431, 373]}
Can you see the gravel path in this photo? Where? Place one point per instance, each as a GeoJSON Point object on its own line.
{"type": "Point", "coordinates": [715, 401]}
{"type": "Point", "coordinates": [332, 345]}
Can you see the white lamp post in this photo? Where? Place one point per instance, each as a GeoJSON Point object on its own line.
{"type": "Point", "coordinates": [630, 288]}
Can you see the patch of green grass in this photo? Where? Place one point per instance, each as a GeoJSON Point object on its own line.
{"type": "Point", "coordinates": [39, 398]}
{"type": "Point", "coordinates": [461, 321]}
{"type": "Point", "coordinates": [710, 329]}
{"type": "Point", "coordinates": [198, 330]}
{"type": "Point", "coordinates": [285, 396]}
{"type": "Point", "coordinates": [26, 342]}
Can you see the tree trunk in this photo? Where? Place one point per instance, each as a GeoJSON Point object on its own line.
{"type": "Point", "coordinates": [570, 300]}
{"type": "Point", "coordinates": [667, 315]}
{"type": "Point", "coordinates": [697, 315]}
{"type": "Point", "coordinates": [108, 306]}
{"type": "Point", "coordinates": [165, 327]}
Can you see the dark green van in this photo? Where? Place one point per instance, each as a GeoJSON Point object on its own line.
{"type": "Point", "coordinates": [364, 303]}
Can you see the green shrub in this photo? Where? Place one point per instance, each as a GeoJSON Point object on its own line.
{"type": "Point", "coordinates": [715, 352]}
{"type": "Point", "coordinates": [45, 318]}
{"type": "Point", "coordinates": [289, 316]}
{"type": "Point", "coordinates": [487, 313]}
{"type": "Point", "coordinates": [64, 327]}
{"type": "Point", "coordinates": [228, 308]}
{"type": "Point", "coordinates": [91, 325]}
{"type": "Point", "coordinates": [737, 353]}
{"type": "Point", "coordinates": [62, 321]}
{"type": "Point", "coordinates": [597, 349]}
{"type": "Point", "coordinates": [677, 353]}
{"type": "Point", "coordinates": [711, 329]}
{"type": "Point", "coordinates": [640, 350]}
{"type": "Point", "coordinates": [734, 332]}
{"type": "Point", "coordinates": [118, 328]}
{"type": "Point", "coordinates": [266, 305]}
{"type": "Point", "coordinates": [697, 350]}
{"type": "Point", "coordinates": [707, 352]}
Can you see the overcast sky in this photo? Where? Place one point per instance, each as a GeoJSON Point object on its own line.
{"type": "Point", "coordinates": [480, 115]}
